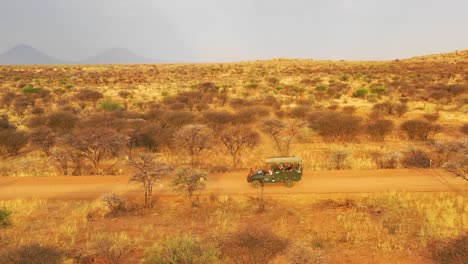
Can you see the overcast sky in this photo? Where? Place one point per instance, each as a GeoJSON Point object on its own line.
{"type": "Point", "coordinates": [225, 30]}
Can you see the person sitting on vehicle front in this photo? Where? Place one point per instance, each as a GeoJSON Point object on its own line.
{"type": "Point", "coordinates": [289, 167]}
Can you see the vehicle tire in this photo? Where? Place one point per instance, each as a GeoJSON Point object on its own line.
{"type": "Point", "coordinates": [289, 183]}
{"type": "Point", "coordinates": [255, 184]}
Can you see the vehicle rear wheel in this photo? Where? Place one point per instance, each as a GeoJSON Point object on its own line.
{"type": "Point", "coordinates": [289, 183]}
{"type": "Point", "coordinates": [255, 184]}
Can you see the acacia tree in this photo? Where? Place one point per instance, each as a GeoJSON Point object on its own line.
{"type": "Point", "coordinates": [236, 139]}
{"type": "Point", "coordinates": [44, 138]}
{"type": "Point", "coordinates": [193, 140]}
{"type": "Point", "coordinates": [282, 133]}
{"type": "Point", "coordinates": [188, 180]}
{"type": "Point", "coordinates": [96, 144]}
{"type": "Point", "coordinates": [148, 173]}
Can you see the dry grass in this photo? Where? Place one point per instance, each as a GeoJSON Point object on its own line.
{"type": "Point", "coordinates": [401, 224]}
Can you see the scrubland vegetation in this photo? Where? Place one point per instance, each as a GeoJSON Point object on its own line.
{"type": "Point", "coordinates": [88, 120]}
{"type": "Point", "coordinates": [376, 228]}
{"type": "Point", "coordinates": [186, 121]}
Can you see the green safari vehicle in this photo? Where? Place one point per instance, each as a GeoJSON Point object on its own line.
{"type": "Point", "coordinates": [285, 170]}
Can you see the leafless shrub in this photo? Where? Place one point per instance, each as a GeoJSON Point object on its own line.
{"type": "Point", "coordinates": [389, 160]}
{"type": "Point", "coordinates": [418, 129]}
{"type": "Point", "coordinates": [237, 139]}
{"type": "Point", "coordinates": [253, 245]}
{"type": "Point", "coordinates": [416, 158]}
{"type": "Point", "coordinates": [112, 248]}
{"type": "Point", "coordinates": [44, 138]}
{"type": "Point", "coordinates": [148, 173]}
{"type": "Point", "coordinates": [338, 159]}
{"type": "Point", "coordinates": [32, 254]}
{"type": "Point", "coordinates": [282, 133]}
{"type": "Point", "coordinates": [114, 203]}
{"type": "Point", "coordinates": [379, 129]}
{"type": "Point", "coordinates": [301, 253]}
{"type": "Point", "coordinates": [193, 140]}
{"type": "Point", "coordinates": [335, 126]}
{"type": "Point", "coordinates": [12, 141]}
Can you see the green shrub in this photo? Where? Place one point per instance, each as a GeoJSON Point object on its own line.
{"type": "Point", "coordinates": [109, 105]}
{"type": "Point", "coordinates": [321, 87]}
{"type": "Point", "coordinates": [185, 249]}
{"type": "Point", "coordinates": [379, 90]}
{"type": "Point", "coordinates": [361, 93]}
{"type": "Point", "coordinates": [29, 89]}
{"type": "Point", "coordinates": [5, 217]}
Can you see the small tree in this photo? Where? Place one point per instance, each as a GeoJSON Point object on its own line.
{"type": "Point", "coordinates": [236, 139]}
{"type": "Point", "coordinates": [12, 141]}
{"type": "Point", "coordinates": [95, 144]}
{"type": "Point", "coordinates": [188, 180]}
{"type": "Point", "coordinates": [148, 173]}
{"type": "Point", "coordinates": [194, 140]}
{"type": "Point", "coordinates": [418, 129]}
{"type": "Point", "coordinates": [282, 133]}
{"type": "Point", "coordinates": [336, 126]}
{"type": "Point", "coordinates": [379, 129]}
{"type": "Point", "coordinates": [44, 138]}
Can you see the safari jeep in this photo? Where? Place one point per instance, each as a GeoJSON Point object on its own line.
{"type": "Point", "coordinates": [278, 169]}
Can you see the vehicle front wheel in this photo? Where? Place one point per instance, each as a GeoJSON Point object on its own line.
{"type": "Point", "coordinates": [255, 184]}
{"type": "Point", "coordinates": [289, 183]}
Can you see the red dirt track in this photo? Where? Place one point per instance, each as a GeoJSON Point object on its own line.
{"type": "Point", "coordinates": [346, 181]}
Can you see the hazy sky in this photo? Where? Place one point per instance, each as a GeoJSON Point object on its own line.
{"type": "Point", "coordinates": [225, 30]}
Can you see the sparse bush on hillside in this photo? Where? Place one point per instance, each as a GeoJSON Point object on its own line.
{"type": "Point", "coordinates": [88, 95]}
{"type": "Point", "coordinates": [193, 140]}
{"type": "Point", "coordinates": [416, 158]}
{"type": "Point", "coordinates": [379, 90]}
{"type": "Point", "coordinates": [360, 93]}
{"type": "Point", "coordinates": [253, 245]}
{"type": "Point", "coordinates": [109, 105]}
{"type": "Point", "coordinates": [188, 180]}
{"type": "Point", "coordinates": [338, 159]}
{"type": "Point", "coordinates": [96, 144]}
{"type": "Point", "coordinates": [217, 120]}
{"type": "Point", "coordinates": [12, 141]}
{"type": "Point", "coordinates": [44, 138]}
{"type": "Point", "coordinates": [237, 139]}
{"type": "Point", "coordinates": [379, 129]}
{"type": "Point", "coordinates": [112, 248]}
{"type": "Point", "coordinates": [302, 253]}
{"type": "Point", "coordinates": [185, 249]}
{"type": "Point", "coordinates": [418, 129]}
{"type": "Point", "coordinates": [32, 254]}
{"type": "Point", "coordinates": [336, 126]}
{"type": "Point", "coordinates": [5, 218]}
{"type": "Point", "coordinates": [62, 122]}
{"type": "Point", "coordinates": [389, 160]}
{"type": "Point", "coordinates": [148, 172]}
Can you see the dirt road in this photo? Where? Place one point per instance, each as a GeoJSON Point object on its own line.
{"type": "Point", "coordinates": [346, 181]}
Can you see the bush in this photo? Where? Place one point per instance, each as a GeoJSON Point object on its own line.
{"type": "Point", "coordinates": [5, 217]}
{"type": "Point", "coordinates": [11, 141]}
{"type": "Point", "coordinates": [114, 203]}
{"type": "Point", "coordinates": [301, 253]}
{"type": "Point", "coordinates": [360, 93]}
{"type": "Point", "coordinates": [335, 126]}
{"type": "Point", "coordinates": [379, 90]}
{"type": "Point", "coordinates": [29, 89]}
{"type": "Point", "coordinates": [112, 248]}
{"type": "Point", "coordinates": [389, 160]}
{"type": "Point", "coordinates": [416, 158]}
{"type": "Point", "coordinates": [253, 245]}
{"type": "Point", "coordinates": [453, 252]}
{"type": "Point", "coordinates": [418, 129]}
{"type": "Point", "coordinates": [109, 105]}
{"type": "Point", "coordinates": [62, 121]}
{"type": "Point", "coordinates": [379, 129]}
{"type": "Point", "coordinates": [32, 254]}
{"type": "Point", "coordinates": [321, 87]}
{"type": "Point", "coordinates": [464, 129]}
{"type": "Point", "coordinates": [177, 250]}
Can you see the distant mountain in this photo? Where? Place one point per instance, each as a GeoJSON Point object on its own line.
{"type": "Point", "coordinates": [24, 54]}
{"type": "Point", "coordinates": [118, 56]}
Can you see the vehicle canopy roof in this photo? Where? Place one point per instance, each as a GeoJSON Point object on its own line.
{"type": "Point", "coordinates": [283, 160]}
